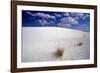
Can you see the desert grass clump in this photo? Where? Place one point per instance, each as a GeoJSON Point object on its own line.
{"type": "Point", "coordinates": [60, 53]}
{"type": "Point", "coordinates": [80, 44]}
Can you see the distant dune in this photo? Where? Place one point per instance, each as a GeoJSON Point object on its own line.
{"type": "Point", "coordinates": [41, 44]}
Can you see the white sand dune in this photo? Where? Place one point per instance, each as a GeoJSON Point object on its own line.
{"type": "Point", "coordinates": [41, 43]}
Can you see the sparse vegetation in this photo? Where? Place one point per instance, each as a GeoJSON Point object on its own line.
{"type": "Point", "coordinates": [80, 44]}
{"type": "Point", "coordinates": [60, 53]}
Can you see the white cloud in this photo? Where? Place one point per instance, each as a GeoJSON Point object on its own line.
{"type": "Point", "coordinates": [66, 14]}
{"type": "Point", "coordinates": [85, 16]}
{"type": "Point", "coordinates": [72, 13]}
{"type": "Point", "coordinates": [77, 14]}
{"type": "Point", "coordinates": [29, 13]}
{"type": "Point", "coordinates": [68, 22]}
{"type": "Point", "coordinates": [43, 15]}
{"type": "Point", "coordinates": [64, 25]}
{"type": "Point", "coordinates": [77, 18]}
{"type": "Point", "coordinates": [80, 14]}
{"type": "Point", "coordinates": [43, 22]}
{"type": "Point", "coordinates": [57, 15]}
{"type": "Point", "coordinates": [52, 22]}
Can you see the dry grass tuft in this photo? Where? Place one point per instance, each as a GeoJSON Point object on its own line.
{"type": "Point", "coordinates": [60, 53]}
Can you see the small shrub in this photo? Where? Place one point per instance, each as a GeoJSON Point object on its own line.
{"type": "Point", "coordinates": [60, 53]}
{"type": "Point", "coordinates": [80, 44]}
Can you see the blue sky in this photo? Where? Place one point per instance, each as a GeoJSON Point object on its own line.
{"type": "Point", "coordinates": [73, 20]}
